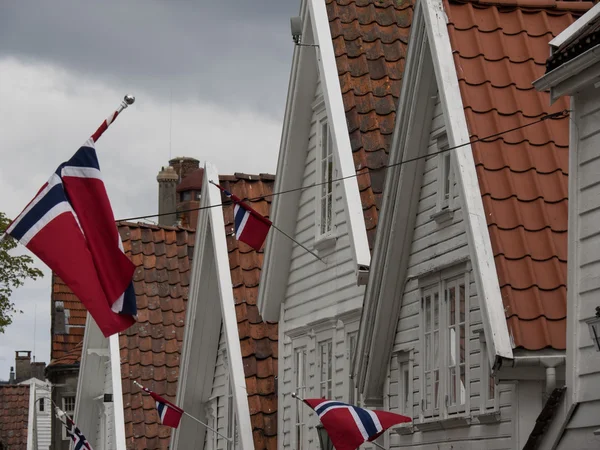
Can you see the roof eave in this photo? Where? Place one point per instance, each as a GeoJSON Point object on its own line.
{"type": "Point", "coordinates": [576, 28]}
{"type": "Point", "coordinates": [290, 168]}
{"type": "Point", "coordinates": [336, 114]}
{"type": "Point", "coordinates": [480, 246]}
{"type": "Point", "coordinates": [572, 75]}
{"type": "Point", "coordinates": [396, 221]}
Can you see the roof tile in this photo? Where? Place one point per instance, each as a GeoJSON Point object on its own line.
{"type": "Point", "coordinates": [14, 416]}
{"type": "Point", "coordinates": [523, 175]}
{"type": "Point", "coordinates": [370, 42]}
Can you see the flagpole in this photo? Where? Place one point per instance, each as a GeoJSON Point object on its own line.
{"type": "Point", "coordinates": [207, 427]}
{"type": "Point", "coordinates": [189, 415]}
{"type": "Point", "coordinates": [127, 101]}
{"type": "Point", "coordinates": [280, 230]}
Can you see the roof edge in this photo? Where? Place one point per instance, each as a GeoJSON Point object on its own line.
{"type": "Point", "coordinates": [480, 246]}
{"type": "Point", "coordinates": [396, 222]}
{"type": "Point", "coordinates": [290, 167]}
{"type": "Point", "coordinates": [576, 28]}
{"type": "Point", "coordinates": [336, 114]}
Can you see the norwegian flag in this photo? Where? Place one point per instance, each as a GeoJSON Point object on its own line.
{"type": "Point", "coordinates": [79, 440]}
{"type": "Point", "coordinates": [168, 413]}
{"type": "Point", "coordinates": [250, 226]}
{"type": "Point", "coordinates": [349, 426]}
{"type": "Point", "coordinates": [70, 226]}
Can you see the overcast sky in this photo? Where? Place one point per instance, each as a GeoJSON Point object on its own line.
{"type": "Point", "coordinates": [223, 66]}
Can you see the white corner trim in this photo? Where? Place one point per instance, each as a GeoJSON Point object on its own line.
{"type": "Point", "coordinates": [230, 328]}
{"type": "Point", "coordinates": [32, 419]}
{"type": "Point", "coordinates": [336, 116]}
{"type": "Point", "coordinates": [117, 392]}
{"type": "Point", "coordinates": [572, 31]}
{"type": "Point", "coordinates": [480, 246]}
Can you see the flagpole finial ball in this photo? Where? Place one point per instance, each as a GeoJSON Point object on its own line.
{"type": "Point", "coordinates": [129, 99]}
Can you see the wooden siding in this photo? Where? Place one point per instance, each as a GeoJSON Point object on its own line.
{"type": "Point", "coordinates": [436, 247]}
{"type": "Point", "coordinates": [218, 400]}
{"type": "Point", "coordinates": [584, 264]}
{"type": "Point", "coordinates": [315, 293]}
{"type": "Point", "coordinates": [43, 418]}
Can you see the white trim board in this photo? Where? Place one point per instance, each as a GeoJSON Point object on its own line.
{"type": "Point", "coordinates": [396, 220]}
{"type": "Point", "coordinates": [210, 304]}
{"type": "Point", "coordinates": [429, 48]}
{"type": "Point", "coordinates": [308, 63]}
{"type": "Point", "coordinates": [480, 246]}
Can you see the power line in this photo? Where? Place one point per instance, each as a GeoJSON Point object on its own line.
{"type": "Point", "coordinates": [554, 116]}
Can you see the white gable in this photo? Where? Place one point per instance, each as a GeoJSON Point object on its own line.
{"type": "Point", "coordinates": [210, 307]}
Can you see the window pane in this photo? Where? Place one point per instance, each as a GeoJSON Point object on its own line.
{"type": "Point", "coordinates": [326, 369]}
{"type": "Point", "coordinates": [405, 386]}
{"type": "Point", "coordinates": [451, 302]}
{"type": "Point", "coordinates": [447, 175]}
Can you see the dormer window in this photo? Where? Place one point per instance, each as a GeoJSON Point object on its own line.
{"type": "Point", "coordinates": [445, 181]}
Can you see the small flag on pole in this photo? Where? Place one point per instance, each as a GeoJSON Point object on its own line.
{"type": "Point", "coordinates": [349, 426]}
{"type": "Point", "coordinates": [168, 413]}
{"type": "Point", "coordinates": [79, 440]}
{"type": "Point", "coordinates": [70, 226]}
{"type": "Point", "coordinates": [250, 226]}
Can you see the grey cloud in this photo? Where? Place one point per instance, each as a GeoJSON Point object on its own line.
{"type": "Point", "coordinates": [228, 51]}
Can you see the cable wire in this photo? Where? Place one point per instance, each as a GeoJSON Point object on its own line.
{"type": "Point", "coordinates": [554, 116]}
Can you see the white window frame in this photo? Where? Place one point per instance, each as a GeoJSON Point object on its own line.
{"type": "Point", "coordinates": [438, 286]}
{"type": "Point", "coordinates": [324, 192]}
{"type": "Point", "coordinates": [445, 176]}
{"type": "Point", "coordinates": [403, 361]}
{"type": "Point", "coordinates": [300, 412]}
{"type": "Point", "coordinates": [351, 342]}
{"type": "Point", "coordinates": [231, 427]}
{"type": "Point", "coordinates": [487, 403]}
{"type": "Point", "coordinates": [70, 412]}
{"type": "Point", "coordinates": [325, 374]}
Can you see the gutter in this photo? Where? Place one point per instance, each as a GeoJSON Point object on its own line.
{"type": "Point", "coordinates": [550, 363]}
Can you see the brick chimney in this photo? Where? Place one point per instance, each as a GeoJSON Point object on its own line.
{"type": "Point", "coordinates": [22, 365]}
{"type": "Point", "coordinates": [167, 196]}
{"type": "Point", "coordinates": [184, 165]}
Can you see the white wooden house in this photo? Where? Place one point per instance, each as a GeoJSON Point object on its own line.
{"type": "Point", "coordinates": [573, 69]}
{"type": "Point", "coordinates": [465, 312]}
{"type": "Point", "coordinates": [41, 413]}
{"type": "Point", "coordinates": [198, 340]}
{"type": "Point", "coordinates": [344, 86]}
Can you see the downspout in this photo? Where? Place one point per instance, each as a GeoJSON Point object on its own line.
{"type": "Point", "coordinates": [549, 362]}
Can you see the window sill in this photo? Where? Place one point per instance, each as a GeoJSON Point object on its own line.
{"type": "Point", "coordinates": [324, 242]}
{"type": "Point", "coordinates": [404, 429]}
{"type": "Point", "coordinates": [443, 424]}
{"type": "Point", "coordinates": [488, 417]}
{"type": "Point", "coordinates": [442, 215]}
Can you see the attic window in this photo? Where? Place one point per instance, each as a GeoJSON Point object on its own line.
{"type": "Point", "coordinates": [445, 182]}
{"type": "Point", "coordinates": [324, 192]}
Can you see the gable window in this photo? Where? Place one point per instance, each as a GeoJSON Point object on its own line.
{"type": "Point", "coordinates": [400, 390]}
{"type": "Point", "coordinates": [351, 342]}
{"type": "Point", "coordinates": [489, 389]}
{"type": "Point", "coordinates": [68, 406]}
{"type": "Point", "coordinates": [326, 369]}
{"type": "Point", "coordinates": [445, 181]}
{"type": "Point", "coordinates": [445, 340]}
{"type": "Point", "coordinates": [42, 406]}
{"type": "Point", "coordinates": [231, 420]}
{"type": "Point", "coordinates": [300, 380]}
{"type": "Point", "coordinates": [325, 179]}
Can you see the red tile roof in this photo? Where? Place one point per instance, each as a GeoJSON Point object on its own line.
{"type": "Point", "coordinates": [14, 416]}
{"type": "Point", "coordinates": [151, 348]}
{"type": "Point", "coordinates": [75, 315]}
{"type": "Point", "coordinates": [523, 175]}
{"type": "Point", "coordinates": [370, 40]}
{"type": "Point", "coordinates": [258, 339]}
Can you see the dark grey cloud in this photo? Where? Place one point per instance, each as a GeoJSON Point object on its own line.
{"type": "Point", "coordinates": [233, 52]}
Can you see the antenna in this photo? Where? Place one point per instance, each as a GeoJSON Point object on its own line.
{"type": "Point", "coordinates": [34, 328]}
{"type": "Point", "coordinates": [170, 119]}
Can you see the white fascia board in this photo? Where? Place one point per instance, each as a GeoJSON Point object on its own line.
{"type": "Point", "coordinates": [201, 334]}
{"type": "Point", "coordinates": [576, 28]}
{"type": "Point", "coordinates": [397, 218]}
{"type": "Point", "coordinates": [117, 392]}
{"type": "Point", "coordinates": [336, 116]}
{"type": "Point", "coordinates": [230, 327]}
{"type": "Point", "coordinates": [31, 419]}
{"type": "Point", "coordinates": [290, 170]}
{"type": "Point", "coordinates": [90, 382]}
{"type": "Point", "coordinates": [480, 246]}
